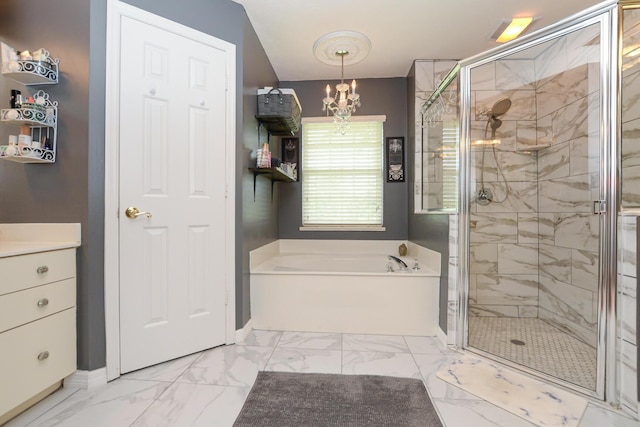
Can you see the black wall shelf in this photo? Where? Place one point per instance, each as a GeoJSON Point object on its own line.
{"type": "Point", "coordinates": [273, 174]}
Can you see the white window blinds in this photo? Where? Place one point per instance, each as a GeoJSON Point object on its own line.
{"type": "Point", "coordinates": [342, 175]}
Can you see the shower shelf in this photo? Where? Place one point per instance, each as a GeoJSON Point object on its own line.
{"type": "Point", "coordinates": [534, 148]}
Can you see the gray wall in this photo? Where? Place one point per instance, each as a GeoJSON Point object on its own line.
{"type": "Point", "coordinates": [258, 223]}
{"type": "Point", "coordinates": [379, 96]}
{"type": "Point", "coordinates": [428, 230]}
{"type": "Point", "coordinates": [58, 192]}
{"type": "Point", "coordinates": [72, 189]}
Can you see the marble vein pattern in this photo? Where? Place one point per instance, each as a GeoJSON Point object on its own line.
{"type": "Point", "coordinates": [627, 304]}
{"type": "Point", "coordinates": [424, 76]}
{"type": "Point", "coordinates": [507, 290]}
{"type": "Point", "coordinates": [552, 61]}
{"type": "Point", "coordinates": [494, 228]}
{"type": "Point", "coordinates": [517, 166]}
{"type": "Point", "coordinates": [527, 398]}
{"type": "Point", "coordinates": [195, 405]}
{"type": "Point", "coordinates": [585, 154]}
{"type": "Point", "coordinates": [577, 231]}
{"type": "Point", "coordinates": [630, 96]}
{"type": "Point", "coordinates": [628, 226]}
{"type": "Point", "coordinates": [478, 310]}
{"type": "Point", "coordinates": [515, 74]}
{"type": "Point", "coordinates": [377, 343]}
{"type": "Point", "coordinates": [570, 194]}
{"type": "Point", "coordinates": [311, 340]}
{"type": "Point", "coordinates": [483, 258]}
{"type": "Point", "coordinates": [483, 413]}
{"type": "Point", "coordinates": [119, 404]}
{"type": "Point", "coordinates": [630, 159]}
{"type": "Point", "coordinates": [563, 89]}
{"type": "Point", "coordinates": [484, 77]}
{"type": "Point", "coordinates": [628, 375]}
{"type": "Point", "coordinates": [555, 262]}
{"type": "Point", "coordinates": [526, 134]}
{"type": "Point", "coordinates": [305, 360]}
{"type": "Point", "coordinates": [380, 363]}
{"type": "Point", "coordinates": [517, 259]}
{"type": "Point", "coordinates": [528, 228]}
{"type": "Point", "coordinates": [575, 303]}
{"type": "Point", "coordinates": [228, 365]}
{"type": "Point", "coordinates": [555, 161]}
{"type": "Point", "coordinates": [147, 402]}
{"type": "Point", "coordinates": [584, 269]}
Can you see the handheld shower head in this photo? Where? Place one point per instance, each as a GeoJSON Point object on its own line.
{"type": "Point", "coordinates": [500, 107]}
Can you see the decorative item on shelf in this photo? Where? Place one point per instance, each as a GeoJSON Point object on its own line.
{"type": "Point", "coordinates": [264, 157]}
{"type": "Point", "coordinates": [279, 110]}
{"type": "Point", "coordinates": [37, 119]}
{"type": "Point", "coordinates": [29, 68]}
{"type": "Point", "coordinates": [38, 110]}
{"type": "Point", "coordinates": [336, 47]}
{"type": "Point", "coordinates": [290, 156]}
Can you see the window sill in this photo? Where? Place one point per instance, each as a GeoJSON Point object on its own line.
{"type": "Point", "coordinates": [343, 228]}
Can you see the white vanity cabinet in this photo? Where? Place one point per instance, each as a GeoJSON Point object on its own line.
{"type": "Point", "coordinates": [37, 325]}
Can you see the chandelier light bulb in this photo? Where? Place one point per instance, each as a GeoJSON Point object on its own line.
{"type": "Point", "coordinates": [345, 101]}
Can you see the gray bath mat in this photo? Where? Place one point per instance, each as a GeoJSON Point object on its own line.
{"type": "Point", "coordinates": [286, 399]}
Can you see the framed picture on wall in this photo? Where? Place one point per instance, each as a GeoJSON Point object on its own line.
{"type": "Point", "coordinates": [291, 155]}
{"type": "Point", "coordinates": [394, 150]}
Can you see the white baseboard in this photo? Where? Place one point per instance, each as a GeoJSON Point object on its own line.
{"type": "Point", "coordinates": [442, 337]}
{"type": "Point", "coordinates": [241, 334]}
{"type": "Point", "coordinates": [86, 379]}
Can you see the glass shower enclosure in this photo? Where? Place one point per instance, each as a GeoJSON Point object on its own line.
{"type": "Point", "coordinates": [538, 199]}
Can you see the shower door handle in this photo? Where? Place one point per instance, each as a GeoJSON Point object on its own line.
{"type": "Point", "coordinates": [599, 207]}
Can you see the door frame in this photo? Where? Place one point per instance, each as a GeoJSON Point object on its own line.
{"type": "Point", "coordinates": [115, 11]}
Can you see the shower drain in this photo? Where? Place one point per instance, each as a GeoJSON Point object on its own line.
{"type": "Point", "coordinates": [517, 342]}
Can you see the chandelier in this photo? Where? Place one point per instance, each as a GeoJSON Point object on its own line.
{"type": "Point", "coordinates": [345, 101]}
{"type": "Point", "coordinates": [340, 48]}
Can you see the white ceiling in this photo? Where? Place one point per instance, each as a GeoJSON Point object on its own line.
{"type": "Point", "coordinates": [400, 30]}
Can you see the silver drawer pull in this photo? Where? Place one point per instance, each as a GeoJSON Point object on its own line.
{"type": "Point", "coordinates": [42, 269]}
{"type": "Point", "coordinates": [43, 302]}
{"type": "Point", "coordinates": [44, 355]}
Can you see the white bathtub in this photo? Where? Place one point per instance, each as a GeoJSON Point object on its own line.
{"type": "Point", "coordinates": [344, 286]}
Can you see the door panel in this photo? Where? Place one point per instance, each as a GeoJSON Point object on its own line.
{"type": "Point", "coordinates": [172, 130]}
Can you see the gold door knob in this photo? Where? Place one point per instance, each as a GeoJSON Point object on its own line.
{"type": "Point", "coordinates": [133, 212]}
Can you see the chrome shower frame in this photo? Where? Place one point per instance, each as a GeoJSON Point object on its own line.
{"type": "Point", "coordinates": [606, 16]}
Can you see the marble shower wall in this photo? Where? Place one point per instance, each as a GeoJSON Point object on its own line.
{"type": "Point", "coordinates": [567, 104]}
{"type": "Point", "coordinates": [429, 178]}
{"type": "Point", "coordinates": [534, 249]}
{"type": "Point", "coordinates": [431, 145]}
{"type": "Point", "coordinates": [504, 234]}
{"type": "Point", "coordinates": [628, 220]}
{"type": "Point", "coordinates": [631, 112]}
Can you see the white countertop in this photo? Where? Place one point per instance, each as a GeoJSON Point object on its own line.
{"type": "Point", "coordinates": [20, 239]}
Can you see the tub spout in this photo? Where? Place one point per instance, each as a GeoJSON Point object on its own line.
{"type": "Point", "coordinates": [401, 263]}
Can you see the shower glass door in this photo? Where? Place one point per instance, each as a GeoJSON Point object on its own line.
{"type": "Point", "coordinates": [533, 186]}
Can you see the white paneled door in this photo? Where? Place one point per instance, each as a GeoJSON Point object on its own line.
{"type": "Point", "coordinates": [172, 171]}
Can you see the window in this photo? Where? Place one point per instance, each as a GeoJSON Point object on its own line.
{"type": "Point", "coordinates": [342, 175]}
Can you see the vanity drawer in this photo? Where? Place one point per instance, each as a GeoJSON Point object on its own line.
{"type": "Point", "coordinates": [22, 307]}
{"type": "Point", "coordinates": [26, 271]}
{"type": "Point", "coordinates": [35, 356]}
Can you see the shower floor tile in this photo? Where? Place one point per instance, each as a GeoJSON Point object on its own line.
{"type": "Point", "coordinates": [546, 348]}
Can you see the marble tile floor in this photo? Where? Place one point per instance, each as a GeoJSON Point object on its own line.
{"type": "Point", "coordinates": [546, 348]}
{"type": "Point", "coordinates": [209, 388]}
